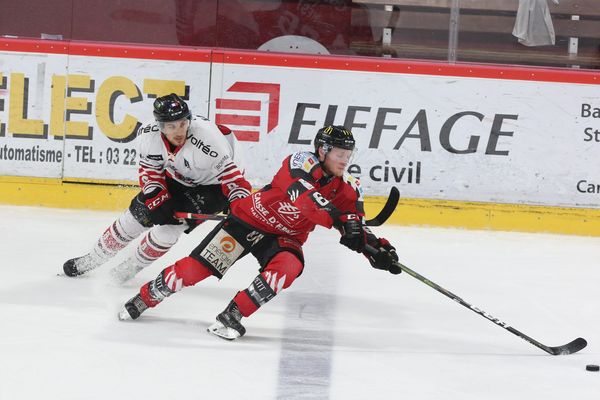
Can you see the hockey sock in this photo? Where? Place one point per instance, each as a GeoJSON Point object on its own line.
{"type": "Point", "coordinates": [157, 242]}
{"type": "Point", "coordinates": [116, 237]}
{"type": "Point", "coordinates": [185, 272]}
{"type": "Point", "coordinates": [279, 274]}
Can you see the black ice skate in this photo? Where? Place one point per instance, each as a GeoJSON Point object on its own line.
{"type": "Point", "coordinates": [133, 308]}
{"type": "Point", "coordinates": [228, 325]}
{"type": "Point", "coordinates": [80, 265]}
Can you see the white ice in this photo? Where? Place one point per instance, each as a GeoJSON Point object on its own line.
{"type": "Point", "coordinates": [342, 331]}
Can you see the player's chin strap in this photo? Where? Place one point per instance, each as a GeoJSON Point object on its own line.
{"type": "Point", "coordinates": [569, 348]}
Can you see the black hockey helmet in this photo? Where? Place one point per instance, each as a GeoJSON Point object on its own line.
{"type": "Point", "coordinates": [170, 108]}
{"type": "Point", "coordinates": [334, 136]}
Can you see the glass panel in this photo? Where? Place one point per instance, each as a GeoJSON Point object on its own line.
{"type": "Point", "coordinates": [312, 26]}
{"type": "Point", "coordinates": [32, 18]}
{"type": "Point", "coordinates": [410, 29]}
{"type": "Point", "coordinates": [486, 32]}
{"type": "Point", "coordinates": [144, 21]}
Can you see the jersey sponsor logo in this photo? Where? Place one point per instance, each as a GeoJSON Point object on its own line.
{"type": "Point", "coordinates": [297, 161]}
{"type": "Point", "coordinates": [252, 116]}
{"type": "Point", "coordinates": [254, 237]}
{"type": "Point", "coordinates": [355, 183]}
{"type": "Point", "coordinates": [306, 184]}
{"type": "Point", "coordinates": [258, 207]}
{"type": "Point", "coordinates": [260, 212]}
{"type": "Point", "coordinates": [228, 244]}
{"type": "Point", "coordinates": [187, 164]}
{"type": "Point", "coordinates": [205, 148]}
{"type": "Point", "coordinates": [222, 251]}
{"type": "Point", "coordinates": [303, 161]}
{"type": "Point", "coordinates": [148, 128]}
{"type": "Point", "coordinates": [221, 163]}
{"type": "Point", "coordinates": [287, 214]}
{"type": "Point", "coordinates": [293, 194]}
{"type": "Point", "coordinates": [155, 157]}
{"type": "Point", "coordinates": [288, 210]}
{"type": "Point", "coordinates": [308, 164]}
{"type": "Point", "coordinates": [298, 188]}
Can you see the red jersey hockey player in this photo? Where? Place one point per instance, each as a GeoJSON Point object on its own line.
{"type": "Point", "coordinates": [186, 164]}
{"type": "Point", "coordinates": [273, 223]}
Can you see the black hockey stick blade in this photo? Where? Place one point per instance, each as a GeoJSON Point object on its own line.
{"type": "Point", "coordinates": [569, 348]}
{"type": "Point", "coordinates": [387, 210]}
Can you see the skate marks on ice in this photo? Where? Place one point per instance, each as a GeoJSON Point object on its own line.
{"type": "Point", "coordinates": [306, 346]}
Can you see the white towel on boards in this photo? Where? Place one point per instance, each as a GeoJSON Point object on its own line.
{"type": "Point", "coordinates": [533, 26]}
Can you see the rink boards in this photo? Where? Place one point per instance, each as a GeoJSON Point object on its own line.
{"type": "Point", "coordinates": [471, 215]}
{"type": "Point", "coordinates": [467, 145]}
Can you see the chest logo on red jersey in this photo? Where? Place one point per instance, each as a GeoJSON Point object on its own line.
{"type": "Point", "coordinates": [288, 209]}
{"type": "Point", "coordinates": [288, 213]}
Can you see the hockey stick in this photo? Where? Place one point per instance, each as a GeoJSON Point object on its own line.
{"type": "Point", "coordinates": [201, 217]}
{"type": "Point", "coordinates": [569, 348]}
{"type": "Point", "coordinates": [379, 219]}
{"type": "Point", "coordinates": [388, 208]}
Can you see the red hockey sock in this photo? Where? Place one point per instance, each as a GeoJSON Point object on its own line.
{"type": "Point", "coordinates": [185, 272]}
{"type": "Point", "coordinates": [244, 303]}
{"type": "Point", "coordinates": [279, 274]}
{"type": "Point", "coordinates": [191, 271]}
{"type": "Point", "coordinates": [145, 295]}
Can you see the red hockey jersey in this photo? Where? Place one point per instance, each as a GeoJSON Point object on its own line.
{"type": "Point", "coordinates": [300, 197]}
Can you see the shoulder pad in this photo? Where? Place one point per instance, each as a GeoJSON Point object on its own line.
{"type": "Point", "coordinates": [354, 182]}
{"type": "Point", "coordinates": [304, 161]}
{"type": "Point", "coordinates": [224, 129]}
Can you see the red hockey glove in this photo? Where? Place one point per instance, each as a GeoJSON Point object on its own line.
{"type": "Point", "coordinates": [354, 236]}
{"type": "Point", "coordinates": [385, 258]}
{"type": "Point", "coordinates": [161, 207]}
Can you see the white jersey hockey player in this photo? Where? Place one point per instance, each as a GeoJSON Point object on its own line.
{"type": "Point", "coordinates": [186, 164]}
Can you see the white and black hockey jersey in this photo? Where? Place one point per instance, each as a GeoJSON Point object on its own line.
{"type": "Point", "coordinates": [209, 156]}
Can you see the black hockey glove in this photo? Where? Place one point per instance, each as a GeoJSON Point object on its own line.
{"type": "Point", "coordinates": [354, 236]}
{"type": "Point", "coordinates": [385, 258]}
{"type": "Point", "coordinates": [161, 207]}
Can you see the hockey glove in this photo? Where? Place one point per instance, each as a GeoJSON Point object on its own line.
{"type": "Point", "coordinates": [354, 236]}
{"type": "Point", "coordinates": [385, 258]}
{"type": "Point", "coordinates": [161, 207]}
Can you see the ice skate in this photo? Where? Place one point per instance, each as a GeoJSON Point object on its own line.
{"type": "Point", "coordinates": [80, 265]}
{"type": "Point", "coordinates": [228, 325]}
{"type": "Point", "coordinates": [133, 308]}
{"type": "Point", "coordinates": [125, 271]}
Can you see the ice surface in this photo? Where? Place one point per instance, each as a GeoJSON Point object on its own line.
{"type": "Point", "coordinates": [342, 331]}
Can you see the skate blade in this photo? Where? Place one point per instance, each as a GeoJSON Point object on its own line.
{"type": "Point", "coordinates": [123, 315]}
{"type": "Point", "coordinates": [220, 330]}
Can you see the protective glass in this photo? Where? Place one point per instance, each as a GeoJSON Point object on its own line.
{"type": "Point", "coordinates": [341, 155]}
